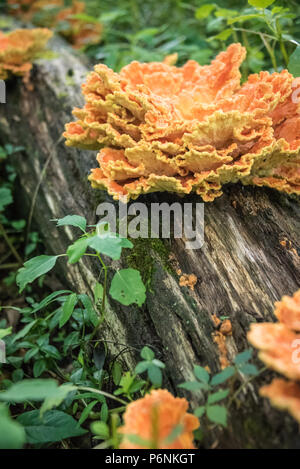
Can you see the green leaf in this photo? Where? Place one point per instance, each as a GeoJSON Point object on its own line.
{"type": "Point", "coordinates": [248, 369]}
{"type": "Point", "coordinates": [217, 396]}
{"type": "Point", "coordinates": [261, 3]}
{"type": "Point", "coordinates": [12, 434]}
{"type": "Point", "coordinates": [55, 425]}
{"type": "Point", "coordinates": [98, 292]}
{"type": "Point", "coordinates": [147, 353]}
{"type": "Point", "coordinates": [243, 357]}
{"type": "Point", "coordinates": [24, 331]}
{"type": "Point", "coordinates": [175, 433]}
{"type": "Point", "coordinates": [217, 414]}
{"type": "Point", "coordinates": [223, 35]}
{"type": "Point", "coordinates": [76, 250]}
{"type": "Point", "coordinates": [5, 197]}
{"type": "Point", "coordinates": [33, 269]}
{"type": "Point", "coordinates": [73, 220]}
{"type": "Point", "coordinates": [30, 390]}
{"type": "Point", "coordinates": [86, 411]}
{"type": "Point", "coordinates": [88, 306]}
{"type": "Point", "coordinates": [127, 287]}
{"type": "Point", "coordinates": [141, 367]}
{"type": "Point", "coordinates": [104, 412]}
{"type": "Point", "coordinates": [243, 18]}
{"type": "Point", "coordinates": [204, 11]}
{"type": "Point", "coordinates": [39, 367]}
{"type": "Point", "coordinates": [5, 332]}
{"type": "Point", "coordinates": [101, 429]}
{"type": "Point", "coordinates": [200, 411]}
{"type": "Point", "coordinates": [201, 374]}
{"type": "Point", "coordinates": [49, 299]}
{"type": "Point", "coordinates": [117, 373]}
{"type": "Point", "coordinates": [223, 376]}
{"type": "Point", "coordinates": [68, 309]}
{"type": "Point", "coordinates": [193, 386]}
{"type": "Point", "coordinates": [108, 244]}
{"type": "Point", "coordinates": [58, 396]}
{"type": "Point", "coordinates": [155, 375]}
{"type": "Point", "coordinates": [294, 63]}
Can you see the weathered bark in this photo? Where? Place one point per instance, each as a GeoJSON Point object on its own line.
{"type": "Point", "coordinates": [242, 267]}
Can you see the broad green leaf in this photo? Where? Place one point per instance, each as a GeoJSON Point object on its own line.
{"type": "Point", "coordinates": [248, 369]}
{"type": "Point", "coordinates": [155, 375]}
{"type": "Point", "coordinates": [243, 357]}
{"type": "Point", "coordinates": [200, 411]}
{"type": "Point", "coordinates": [104, 412]}
{"type": "Point", "coordinates": [217, 396]}
{"type": "Point", "coordinates": [33, 269]}
{"type": "Point", "coordinates": [76, 250]}
{"type": "Point", "coordinates": [110, 245]}
{"type": "Point", "coordinates": [49, 299]}
{"type": "Point", "coordinates": [204, 11]}
{"type": "Point", "coordinates": [193, 386]}
{"type": "Point", "coordinates": [117, 373]}
{"type": "Point", "coordinates": [243, 18]}
{"type": "Point", "coordinates": [30, 390]}
{"type": "Point", "coordinates": [294, 63]}
{"type": "Point", "coordinates": [141, 367]}
{"type": "Point", "coordinates": [73, 220]}
{"type": "Point", "coordinates": [223, 35]}
{"type": "Point", "coordinates": [24, 331]}
{"type": "Point", "coordinates": [261, 3]}
{"type": "Point", "coordinates": [101, 429]}
{"type": "Point", "coordinates": [201, 374]}
{"type": "Point", "coordinates": [57, 398]}
{"type": "Point", "coordinates": [147, 353]}
{"type": "Point", "coordinates": [88, 306]}
{"type": "Point", "coordinates": [127, 287]}
{"type": "Point", "coordinates": [217, 414]}
{"type": "Point", "coordinates": [68, 309]}
{"type": "Point", "coordinates": [55, 425]}
{"type": "Point", "coordinates": [12, 434]}
{"type": "Point", "coordinates": [5, 332]}
{"type": "Point", "coordinates": [5, 197]}
{"type": "Point", "coordinates": [86, 411]}
{"type": "Point", "coordinates": [223, 376]}
{"type": "Point", "coordinates": [39, 367]}
{"type": "Point", "coordinates": [98, 292]}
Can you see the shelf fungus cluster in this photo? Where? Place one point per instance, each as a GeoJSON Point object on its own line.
{"type": "Point", "coordinates": [279, 349]}
{"type": "Point", "coordinates": [189, 129]}
{"type": "Point", "coordinates": [53, 14]}
{"type": "Point", "coordinates": [19, 48]}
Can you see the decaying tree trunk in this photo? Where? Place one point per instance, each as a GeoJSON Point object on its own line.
{"type": "Point", "coordinates": [241, 269]}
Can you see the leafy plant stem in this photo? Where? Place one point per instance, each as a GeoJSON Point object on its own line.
{"type": "Point", "coordinates": [103, 393]}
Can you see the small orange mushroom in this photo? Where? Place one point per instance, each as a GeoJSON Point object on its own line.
{"type": "Point", "coordinates": [153, 419]}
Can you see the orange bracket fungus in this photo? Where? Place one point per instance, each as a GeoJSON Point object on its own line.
{"type": "Point", "coordinates": [279, 349]}
{"type": "Point", "coordinates": [193, 128]}
{"type": "Point", "coordinates": [19, 48]}
{"type": "Point", "coordinates": [154, 418]}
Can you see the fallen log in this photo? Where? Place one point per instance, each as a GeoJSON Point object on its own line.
{"type": "Point", "coordinates": [250, 256]}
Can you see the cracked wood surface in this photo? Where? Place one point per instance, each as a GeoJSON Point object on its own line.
{"type": "Point", "coordinates": [241, 269]}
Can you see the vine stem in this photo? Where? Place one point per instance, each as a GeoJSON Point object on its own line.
{"type": "Point", "coordinates": [245, 383]}
{"type": "Point", "coordinates": [10, 244]}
